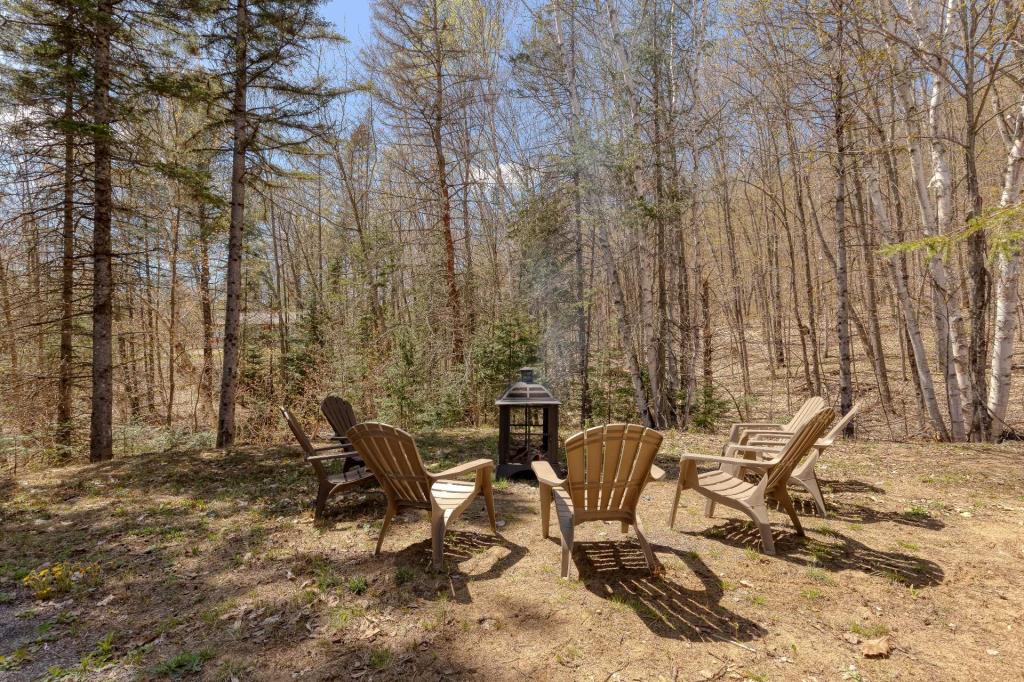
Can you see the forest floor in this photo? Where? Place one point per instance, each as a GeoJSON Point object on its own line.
{"type": "Point", "coordinates": [207, 564]}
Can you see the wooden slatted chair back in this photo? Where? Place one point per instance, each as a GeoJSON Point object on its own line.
{"type": "Point", "coordinates": [811, 406]}
{"type": "Point", "coordinates": [798, 446]}
{"type": "Point", "coordinates": [608, 467]}
{"type": "Point", "coordinates": [837, 430]}
{"type": "Point", "coordinates": [391, 454]}
{"type": "Point", "coordinates": [298, 432]}
{"type": "Point", "coordinates": [339, 414]}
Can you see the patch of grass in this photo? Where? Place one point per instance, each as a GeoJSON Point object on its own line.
{"type": "Point", "coordinates": [909, 546]}
{"type": "Point", "coordinates": [101, 655]}
{"type": "Point", "coordinates": [60, 578]}
{"type": "Point", "coordinates": [820, 551]}
{"type": "Point", "coordinates": [917, 512]}
{"type": "Point", "coordinates": [827, 530]}
{"type": "Point", "coordinates": [569, 655]}
{"type": "Point", "coordinates": [380, 658]}
{"type": "Point", "coordinates": [869, 631]}
{"type": "Point", "coordinates": [167, 624]}
{"type": "Point", "coordinates": [757, 600]}
{"type": "Point", "coordinates": [185, 663]}
{"type": "Point", "coordinates": [751, 554]}
{"type": "Point", "coordinates": [6, 598]}
{"type": "Point", "coordinates": [211, 616]}
{"type": "Point", "coordinates": [358, 585]}
{"type": "Point", "coordinates": [819, 575]}
{"type": "Point", "coordinates": [811, 593]}
{"type": "Point", "coordinates": [13, 571]}
{"type": "Point", "coordinates": [404, 574]}
{"type": "Point", "coordinates": [856, 526]}
{"type": "Point", "coordinates": [14, 660]}
{"type": "Point", "coordinates": [339, 618]}
{"type": "Point", "coordinates": [327, 578]}
{"type": "Point", "coordinates": [502, 484]}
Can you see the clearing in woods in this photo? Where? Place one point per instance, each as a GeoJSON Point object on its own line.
{"type": "Point", "coordinates": [208, 564]}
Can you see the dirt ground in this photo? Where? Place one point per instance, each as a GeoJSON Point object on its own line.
{"type": "Point", "coordinates": [208, 564]}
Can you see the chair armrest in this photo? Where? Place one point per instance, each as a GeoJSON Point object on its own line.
{"type": "Point", "coordinates": [738, 428]}
{"type": "Point", "coordinates": [763, 442]}
{"type": "Point", "coordinates": [718, 459]}
{"type": "Point", "coordinates": [464, 468]}
{"type": "Point", "coordinates": [657, 473]}
{"type": "Point", "coordinates": [772, 451]}
{"type": "Point", "coordinates": [328, 457]}
{"type": "Point", "coordinates": [545, 474]}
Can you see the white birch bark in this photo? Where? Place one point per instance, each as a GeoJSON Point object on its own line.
{"type": "Point", "coordinates": [907, 305]}
{"type": "Point", "coordinates": [937, 215]}
{"type": "Point", "coordinates": [1007, 282]}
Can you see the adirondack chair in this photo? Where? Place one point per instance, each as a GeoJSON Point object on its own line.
{"type": "Point", "coordinates": [803, 475]}
{"type": "Point", "coordinates": [392, 455]}
{"type": "Point", "coordinates": [741, 432]}
{"type": "Point", "coordinates": [328, 483]}
{"type": "Point", "coordinates": [341, 417]}
{"type": "Point", "coordinates": [608, 467]}
{"type": "Point", "coordinates": [727, 485]}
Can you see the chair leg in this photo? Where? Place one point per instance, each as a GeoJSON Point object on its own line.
{"type": "Point", "coordinates": [545, 510]}
{"type": "Point", "coordinates": [709, 508]}
{"type": "Point", "coordinates": [625, 527]}
{"type": "Point", "coordinates": [760, 516]}
{"type": "Point", "coordinates": [437, 528]}
{"type": "Point", "coordinates": [566, 555]}
{"type": "Point", "coordinates": [787, 503]}
{"type": "Point", "coordinates": [652, 561]}
{"type": "Point", "coordinates": [488, 493]}
{"type": "Point", "coordinates": [675, 501]}
{"type": "Point", "coordinates": [389, 514]}
{"type": "Point", "coordinates": [322, 493]}
{"type": "Point", "coordinates": [810, 483]}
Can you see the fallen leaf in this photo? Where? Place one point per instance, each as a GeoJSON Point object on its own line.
{"type": "Point", "coordinates": [876, 648]}
{"type": "Point", "coordinates": [851, 638]}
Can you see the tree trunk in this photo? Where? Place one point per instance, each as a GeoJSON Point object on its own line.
{"type": "Point", "coordinates": [923, 373]}
{"type": "Point", "coordinates": [101, 438]}
{"type": "Point", "coordinates": [1007, 285]}
{"type": "Point", "coordinates": [67, 284]}
{"type": "Point", "coordinates": [233, 284]}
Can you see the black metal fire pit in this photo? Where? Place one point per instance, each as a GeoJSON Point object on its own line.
{"type": "Point", "coordinates": [527, 426]}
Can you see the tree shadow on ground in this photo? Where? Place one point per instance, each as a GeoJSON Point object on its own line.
{"type": "Point", "coordinates": [617, 571]}
{"type": "Point", "coordinates": [838, 553]}
{"type": "Point", "coordinates": [837, 487]}
{"type": "Point", "coordinates": [855, 513]}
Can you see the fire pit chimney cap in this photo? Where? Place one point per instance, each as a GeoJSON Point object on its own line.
{"type": "Point", "coordinates": [527, 392]}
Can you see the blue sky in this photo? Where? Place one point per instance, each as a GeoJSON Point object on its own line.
{"type": "Point", "coordinates": [352, 17]}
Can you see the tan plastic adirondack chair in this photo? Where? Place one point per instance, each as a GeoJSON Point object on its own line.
{"type": "Point", "coordinates": [329, 484]}
{"type": "Point", "coordinates": [392, 455]}
{"type": "Point", "coordinates": [742, 432]}
{"type": "Point", "coordinates": [341, 417]}
{"type": "Point", "coordinates": [727, 485]}
{"type": "Point", "coordinates": [804, 475]}
{"type": "Point", "coordinates": [608, 467]}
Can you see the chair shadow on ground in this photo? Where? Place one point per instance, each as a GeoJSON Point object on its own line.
{"type": "Point", "coordinates": [838, 553]}
{"type": "Point", "coordinates": [617, 571]}
{"type": "Point", "coordinates": [469, 556]}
